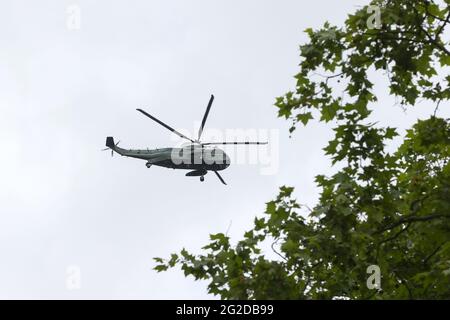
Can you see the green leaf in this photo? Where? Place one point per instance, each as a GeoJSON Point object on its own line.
{"type": "Point", "coordinates": [161, 268]}
{"type": "Point", "coordinates": [444, 59]}
{"type": "Point", "coordinates": [329, 111]}
{"type": "Point", "coordinates": [304, 117]}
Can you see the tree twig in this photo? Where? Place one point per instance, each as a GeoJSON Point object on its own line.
{"type": "Point", "coordinates": [409, 219]}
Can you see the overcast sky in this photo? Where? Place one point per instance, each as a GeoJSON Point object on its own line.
{"type": "Point", "coordinates": [63, 89]}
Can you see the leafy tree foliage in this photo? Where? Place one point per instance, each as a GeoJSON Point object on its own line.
{"type": "Point", "coordinates": [381, 208]}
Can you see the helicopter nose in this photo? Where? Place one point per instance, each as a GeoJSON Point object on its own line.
{"type": "Point", "coordinates": [227, 161]}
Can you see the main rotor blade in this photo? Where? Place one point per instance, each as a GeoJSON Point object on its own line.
{"type": "Point", "coordinates": [200, 131]}
{"type": "Point", "coordinates": [220, 178]}
{"type": "Point", "coordinates": [209, 143]}
{"type": "Point", "coordinates": [164, 125]}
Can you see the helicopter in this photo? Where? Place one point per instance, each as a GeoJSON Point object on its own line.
{"type": "Point", "coordinates": [198, 157]}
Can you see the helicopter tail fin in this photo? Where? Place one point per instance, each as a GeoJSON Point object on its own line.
{"type": "Point", "coordinates": [110, 143]}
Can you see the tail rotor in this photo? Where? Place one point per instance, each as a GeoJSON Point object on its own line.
{"type": "Point", "coordinates": [111, 145]}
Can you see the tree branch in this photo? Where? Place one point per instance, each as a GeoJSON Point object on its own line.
{"type": "Point", "coordinates": [428, 35]}
{"type": "Point", "coordinates": [441, 28]}
{"type": "Point", "coordinates": [396, 235]}
{"type": "Point", "coordinates": [425, 261]}
{"type": "Point", "coordinates": [410, 219]}
{"type": "Point", "coordinates": [279, 254]}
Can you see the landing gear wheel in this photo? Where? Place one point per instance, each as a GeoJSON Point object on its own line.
{"type": "Point", "coordinates": [202, 178]}
{"type": "Point", "coordinates": [148, 165]}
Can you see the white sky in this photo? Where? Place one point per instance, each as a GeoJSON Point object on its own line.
{"type": "Point", "coordinates": [64, 203]}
